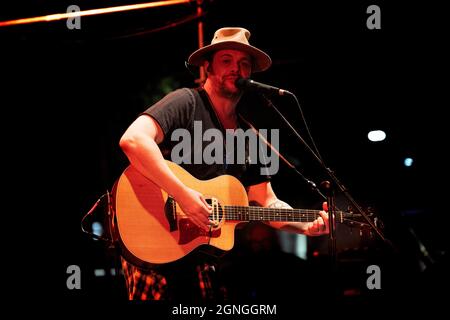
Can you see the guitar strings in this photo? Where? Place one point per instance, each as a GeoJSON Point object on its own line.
{"type": "Point", "coordinates": [253, 213]}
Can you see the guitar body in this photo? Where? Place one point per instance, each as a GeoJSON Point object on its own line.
{"type": "Point", "coordinates": [152, 227]}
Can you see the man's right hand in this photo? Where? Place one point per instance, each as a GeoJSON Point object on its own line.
{"type": "Point", "coordinates": [194, 205]}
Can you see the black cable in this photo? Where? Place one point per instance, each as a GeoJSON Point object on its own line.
{"type": "Point", "coordinates": [93, 235]}
{"type": "Point", "coordinates": [307, 128]}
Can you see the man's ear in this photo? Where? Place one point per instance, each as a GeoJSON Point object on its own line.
{"type": "Point", "coordinates": [207, 66]}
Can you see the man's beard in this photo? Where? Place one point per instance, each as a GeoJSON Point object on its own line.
{"type": "Point", "coordinates": [227, 93]}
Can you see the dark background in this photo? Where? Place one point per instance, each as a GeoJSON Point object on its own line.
{"type": "Point", "coordinates": [68, 95]}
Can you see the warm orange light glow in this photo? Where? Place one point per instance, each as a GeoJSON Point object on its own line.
{"type": "Point", "coordinates": [59, 16]}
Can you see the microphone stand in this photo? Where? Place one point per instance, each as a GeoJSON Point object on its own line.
{"type": "Point", "coordinates": [330, 193]}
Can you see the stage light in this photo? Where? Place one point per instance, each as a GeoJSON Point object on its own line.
{"type": "Point", "coordinates": [99, 272]}
{"type": "Point", "coordinates": [97, 228]}
{"type": "Point", "coordinates": [408, 162]}
{"type": "Point", "coordinates": [376, 135]}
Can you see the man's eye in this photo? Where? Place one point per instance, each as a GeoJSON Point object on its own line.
{"type": "Point", "coordinates": [246, 65]}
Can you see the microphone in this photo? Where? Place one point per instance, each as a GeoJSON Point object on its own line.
{"type": "Point", "coordinates": [248, 84]}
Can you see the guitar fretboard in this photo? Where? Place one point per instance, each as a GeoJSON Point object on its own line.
{"type": "Point", "coordinates": [253, 213]}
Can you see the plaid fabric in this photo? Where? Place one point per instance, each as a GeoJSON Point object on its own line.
{"type": "Point", "coordinates": [204, 279]}
{"type": "Point", "coordinates": [151, 285]}
{"type": "Point", "coordinates": [143, 285]}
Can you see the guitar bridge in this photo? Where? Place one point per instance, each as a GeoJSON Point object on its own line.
{"type": "Point", "coordinates": [170, 210]}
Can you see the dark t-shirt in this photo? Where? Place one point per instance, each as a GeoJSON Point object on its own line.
{"type": "Point", "coordinates": [190, 109]}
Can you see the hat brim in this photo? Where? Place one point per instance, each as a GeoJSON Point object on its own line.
{"type": "Point", "coordinates": [261, 60]}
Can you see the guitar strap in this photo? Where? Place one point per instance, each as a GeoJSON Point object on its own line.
{"type": "Point", "coordinates": [202, 98]}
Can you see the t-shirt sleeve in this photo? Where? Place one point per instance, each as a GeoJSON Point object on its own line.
{"type": "Point", "coordinates": [173, 111]}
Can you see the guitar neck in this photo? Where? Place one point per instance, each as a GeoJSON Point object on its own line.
{"type": "Point", "coordinates": [253, 213]}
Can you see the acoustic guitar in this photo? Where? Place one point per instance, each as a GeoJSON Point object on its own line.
{"type": "Point", "coordinates": [153, 229]}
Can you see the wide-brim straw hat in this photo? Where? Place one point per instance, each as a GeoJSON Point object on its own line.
{"type": "Point", "coordinates": [232, 38]}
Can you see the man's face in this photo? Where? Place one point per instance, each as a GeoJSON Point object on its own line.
{"type": "Point", "coordinates": [227, 66]}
